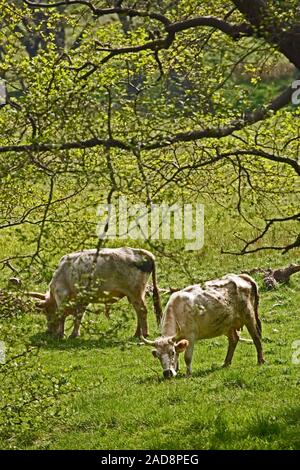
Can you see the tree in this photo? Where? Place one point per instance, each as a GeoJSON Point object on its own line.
{"type": "Point", "coordinates": [107, 113]}
{"type": "Point", "coordinates": [31, 396]}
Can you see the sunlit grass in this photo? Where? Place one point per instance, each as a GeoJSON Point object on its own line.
{"type": "Point", "coordinates": [123, 403]}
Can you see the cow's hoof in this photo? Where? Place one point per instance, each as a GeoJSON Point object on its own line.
{"type": "Point", "coordinates": [73, 336]}
{"type": "Point", "coordinates": [226, 364]}
{"type": "Point", "coordinates": [55, 335]}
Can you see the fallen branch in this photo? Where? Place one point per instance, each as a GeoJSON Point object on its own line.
{"type": "Point", "coordinates": [272, 277]}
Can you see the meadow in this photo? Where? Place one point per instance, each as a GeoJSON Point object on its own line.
{"type": "Point", "coordinates": [178, 102]}
{"type": "Point", "coordinates": [120, 400]}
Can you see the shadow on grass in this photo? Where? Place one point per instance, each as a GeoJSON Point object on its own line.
{"type": "Point", "coordinates": [157, 376]}
{"type": "Point", "coordinates": [46, 341]}
{"type": "Point", "coordinates": [205, 372]}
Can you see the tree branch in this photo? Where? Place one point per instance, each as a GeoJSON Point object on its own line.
{"type": "Point", "coordinates": [219, 132]}
{"type": "Point", "coordinates": [269, 224]}
{"type": "Point", "coordinates": [161, 142]}
{"type": "Point", "coordinates": [235, 31]}
{"type": "Point", "coordinates": [82, 144]}
{"type": "Point", "coordinates": [274, 30]}
{"type": "Point", "coordinates": [131, 12]}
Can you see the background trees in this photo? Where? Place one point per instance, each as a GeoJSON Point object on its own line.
{"type": "Point", "coordinates": [170, 100]}
{"type": "Point", "coordinates": [160, 101]}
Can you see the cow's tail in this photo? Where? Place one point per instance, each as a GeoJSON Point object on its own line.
{"type": "Point", "coordinates": [256, 302]}
{"type": "Point", "coordinates": [156, 296]}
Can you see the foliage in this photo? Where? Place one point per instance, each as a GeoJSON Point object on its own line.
{"type": "Point", "coordinates": [87, 120]}
{"type": "Point", "coordinates": [31, 397]}
{"type": "Point", "coordinates": [132, 407]}
{"type": "Point", "coordinates": [164, 101]}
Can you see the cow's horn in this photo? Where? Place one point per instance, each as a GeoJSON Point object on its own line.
{"type": "Point", "coordinates": [147, 341]}
{"type": "Point", "coordinates": [15, 281]}
{"type": "Point", "coordinates": [36, 295]}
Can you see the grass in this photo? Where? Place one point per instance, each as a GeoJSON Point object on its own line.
{"type": "Point", "coordinates": [123, 403]}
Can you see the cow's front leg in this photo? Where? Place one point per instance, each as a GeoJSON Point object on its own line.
{"type": "Point", "coordinates": [60, 330]}
{"type": "Point", "coordinates": [77, 323]}
{"type": "Point", "coordinates": [188, 356]}
{"type": "Point", "coordinates": [233, 339]}
{"type": "Point", "coordinates": [107, 310]}
{"type": "Point", "coordinates": [138, 330]}
{"type": "Point", "coordinates": [177, 362]}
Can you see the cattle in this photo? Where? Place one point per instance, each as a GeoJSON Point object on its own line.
{"type": "Point", "coordinates": [220, 307]}
{"type": "Point", "coordinates": [92, 276]}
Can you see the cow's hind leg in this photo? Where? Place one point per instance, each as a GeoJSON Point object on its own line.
{"type": "Point", "coordinates": [257, 342]}
{"type": "Point", "coordinates": [56, 326]}
{"type": "Point", "coordinates": [61, 327]}
{"type": "Point", "coordinates": [141, 313]}
{"type": "Point", "coordinates": [188, 356]}
{"type": "Point", "coordinates": [233, 339]}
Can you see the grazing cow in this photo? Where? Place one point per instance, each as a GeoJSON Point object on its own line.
{"type": "Point", "coordinates": [221, 307]}
{"type": "Point", "coordinates": [90, 277]}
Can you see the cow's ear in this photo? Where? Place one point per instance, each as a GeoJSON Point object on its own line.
{"type": "Point", "coordinates": [181, 345]}
{"type": "Point", "coordinates": [154, 353]}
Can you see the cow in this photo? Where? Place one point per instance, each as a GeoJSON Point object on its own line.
{"type": "Point", "coordinates": [93, 276]}
{"type": "Point", "coordinates": [220, 307]}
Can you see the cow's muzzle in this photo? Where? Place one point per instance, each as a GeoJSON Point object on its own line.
{"type": "Point", "coordinates": [168, 374]}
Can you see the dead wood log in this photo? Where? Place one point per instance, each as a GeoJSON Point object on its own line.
{"type": "Point", "coordinates": [272, 277]}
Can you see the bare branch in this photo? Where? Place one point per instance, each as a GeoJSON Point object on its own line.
{"type": "Point", "coordinates": [269, 224]}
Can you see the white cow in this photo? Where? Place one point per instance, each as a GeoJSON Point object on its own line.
{"type": "Point", "coordinates": [220, 307]}
{"type": "Point", "coordinates": [90, 277]}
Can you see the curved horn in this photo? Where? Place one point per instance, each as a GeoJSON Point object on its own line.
{"type": "Point", "coordinates": [244, 340]}
{"type": "Point", "coordinates": [36, 295]}
{"type": "Point", "coordinates": [147, 341]}
{"type": "Point", "coordinates": [15, 281]}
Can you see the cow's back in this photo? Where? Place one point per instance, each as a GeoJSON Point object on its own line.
{"type": "Point", "coordinates": [211, 310]}
{"type": "Point", "coordinates": [113, 269]}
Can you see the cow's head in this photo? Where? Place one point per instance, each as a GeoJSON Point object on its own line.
{"type": "Point", "coordinates": [47, 306]}
{"type": "Point", "coordinates": [167, 350]}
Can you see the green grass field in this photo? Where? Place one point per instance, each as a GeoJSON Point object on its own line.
{"type": "Point", "coordinates": [121, 400]}
{"type": "Point", "coordinates": [123, 403]}
{"type": "Point", "coordinates": [134, 125]}
{"type": "Point", "coordinates": [244, 407]}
